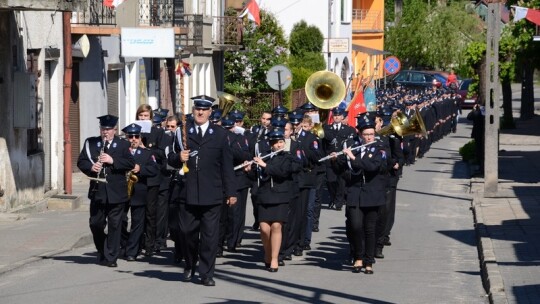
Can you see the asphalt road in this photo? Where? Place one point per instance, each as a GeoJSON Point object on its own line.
{"type": "Point", "coordinates": [433, 258]}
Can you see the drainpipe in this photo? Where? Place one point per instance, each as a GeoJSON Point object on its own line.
{"type": "Point", "coordinates": [68, 64]}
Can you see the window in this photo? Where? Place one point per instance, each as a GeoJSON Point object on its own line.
{"type": "Point", "coordinates": [417, 77]}
{"type": "Point", "coordinates": [401, 77]}
{"type": "Point", "coordinates": [346, 11]}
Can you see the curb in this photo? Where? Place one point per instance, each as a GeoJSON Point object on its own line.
{"type": "Point", "coordinates": [491, 277]}
{"type": "Point", "coordinates": [81, 240]}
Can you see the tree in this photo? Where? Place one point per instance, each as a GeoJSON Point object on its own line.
{"type": "Point", "coordinates": [527, 57]}
{"type": "Point", "coordinates": [433, 36]}
{"type": "Point", "coordinates": [245, 70]}
{"type": "Point", "coordinates": [305, 43]}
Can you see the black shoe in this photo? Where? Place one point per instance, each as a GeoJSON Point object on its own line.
{"type": "Point", "coordinates": [288, 257]}
{"type": "Point", "coordinates": [130, 258]}
{"type": "Point", "coordinates": [280, 263]}
{"type": "Point", "coordinates": [368, 271]}
{"type": "Point", "coordinates": [219, 254]}
{"type": "Point", "coordinates": [100, 258]}
{"type": "Point", "coordinates": [298, 252]}
{"type": "Point", "coordinates": [208, 282]}
{"type": "Point", "coordinates": [338, 208]}
{"type": "Point", "coordinates": [306, 247]}
{"type": "Point", "coordinates": [148, 253]}
{"type": "Point", "coordinates": [315, 229]}
{"type": "Point", "coordinates": [387, 242]}
{"type": "Point", "coordinates": [379, 254]}
{"type": "Point", "coordinates": [111, 264]}
{"type": "Point", "coordinates": [232, 249]}
{"type": "Point", "coordinates": [331, 206]}
{"type": "Point", "coordinates": [178, 260]}
{"type": "Point", "coordinates": [238, 245]}
{"type": "Point", "coordinates": [188, 275]}
{"type": "Point", "coordinates": [356, 269]}
{"type": "Point", "coordinates": [273, 269]}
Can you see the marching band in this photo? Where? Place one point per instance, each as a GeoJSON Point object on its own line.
{"type": "Point", "coordinates": [190, 181]}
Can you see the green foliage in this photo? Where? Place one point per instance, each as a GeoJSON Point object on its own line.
{"type": "Point", "coordinates": [300, 76]}
{"type": "Point", "coordinates": [467, 152]}
{"type": "Point", "coordinates": [311, 61]}
{"type": "Point", "coordinates": [434, 36]}
{"type": "Point", "coordinates": [305, 39]}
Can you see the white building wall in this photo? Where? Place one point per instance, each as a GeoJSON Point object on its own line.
{"type": "Point", "coordinates": [315, 12]}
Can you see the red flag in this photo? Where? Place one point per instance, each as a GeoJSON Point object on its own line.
{"type": "Point", "coordinates": [357, 106]}
{"type": "Point", "coordinates": [533, 16]}
{"type": "Point", "coordinates": [112, 3]}
{"type": "Point", "coordinates": [252, 11]}
{"type": "Point", "coordinates": [330, 119]}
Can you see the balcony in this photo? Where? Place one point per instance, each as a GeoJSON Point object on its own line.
{"type": "Point", "coordinates": [367, 21]}
{"type": "Point", "coordinates": [227, 32]}
{"type": "Point", "coordinates": [93, 12]}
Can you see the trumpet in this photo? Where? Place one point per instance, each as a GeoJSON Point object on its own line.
{"type": "Point", "coordinates": [341, 152]}
{"type": "Point", "coordinates": [264, 157]}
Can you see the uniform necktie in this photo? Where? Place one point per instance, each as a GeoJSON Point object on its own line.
{"type": "Point", "coordinates": [106, 148]}
{"type": "Point", "coordinates": [199, 130]}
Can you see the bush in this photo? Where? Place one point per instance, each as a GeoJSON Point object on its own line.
{"type": "Point", "coordinates": [467, 152]}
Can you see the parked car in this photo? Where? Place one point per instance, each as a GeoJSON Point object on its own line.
{"type": "Point", "coordinates": [466, 101]}
{"type": "Point", "coordinates": [418, 79]}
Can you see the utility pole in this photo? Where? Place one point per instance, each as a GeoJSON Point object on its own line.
{"type": "Point", "coordinates": [329, 35]}
{"type": "Point", "coordinates": [491, 132]}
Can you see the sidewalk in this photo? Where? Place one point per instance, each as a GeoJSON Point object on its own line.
{"type": "Point", "coordinates": [29, 237]}
{"type": "Point", "coordinates": [508, 226]}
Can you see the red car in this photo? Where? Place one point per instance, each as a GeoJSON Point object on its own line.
{"type": "Point", "coordinates": [466, 102]}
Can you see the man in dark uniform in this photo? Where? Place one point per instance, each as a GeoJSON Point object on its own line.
{"type": "Point", "coordinates": [106, 159]}
{"type": "Point", "coordinates": [334, 136]}
{"type": "Point", "coordinates": [209, 179]}
{"type": "Point", "coordinates": [145, 167]}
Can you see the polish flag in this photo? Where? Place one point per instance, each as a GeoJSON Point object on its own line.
{"type": "Point", "coordinates": [356, 107]}
{"type": "Point", "coordinates": [112, 3]}
{"type": "Point", "coordinates": [252, 11]}
{"type": "Point", "coordinates": [530, 14]}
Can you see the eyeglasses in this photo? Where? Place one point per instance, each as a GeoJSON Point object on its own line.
{"type": "Point", "coordinates": [133, 136]}
{"type": "Point", "coordinates": [171, 126]}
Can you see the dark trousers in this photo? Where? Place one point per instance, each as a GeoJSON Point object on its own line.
{"type": "Point", "coordinates": [200, 225]}
{"type": "Point", "coordinates": [362, 222]}
{"type": "Point", "coordinates": [136, 230]}
{"type": "Point", "coordinates": [162, 218]}
{"type": "Point", "coordinates": [224, 226]}
{"type": "Point", "coordinates": [295, 221]}
{"type": "Point", "coordinates": [336, 189]}
{"type": "Point", "coordinates": [177, 231]}
{"type": "Point", "coordinates": [237, 219]}
{"type": "Point", "coordinates": [150, 226]}
{"type": "Point", "coordinates": [104, 214]}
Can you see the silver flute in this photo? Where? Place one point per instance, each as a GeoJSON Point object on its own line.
{"type": "Point", "coordinates": [341, 152]}
{"type": "Point", "coordinates": [264, 157]}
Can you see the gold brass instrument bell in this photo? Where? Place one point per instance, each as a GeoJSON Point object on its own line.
{"type": "Point", "coordinates": [227, 101]}
{"type": "Point", "coordinates": [325, 90]}
{"type": "Point", "coordinates": [403, 126]}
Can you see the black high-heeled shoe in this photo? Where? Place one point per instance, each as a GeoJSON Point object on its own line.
{"type": "Point", "coordinates": [270, 269]}
{"type": "Point", "coordinates": [356, 269]}
{"type": "Point", "coordinates": [266, 265]}
{"type": "Point", "coordinates": [370, 270]}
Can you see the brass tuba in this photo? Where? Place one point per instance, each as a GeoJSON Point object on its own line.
{"type": "Point", "coordinates": [403, 126]}
{"type": "Point", "coordinates": [325, 90]}
{"type": "Point", "coordinates": [131, 180]}
{"type": "Point", "coordinates": [227, 101]}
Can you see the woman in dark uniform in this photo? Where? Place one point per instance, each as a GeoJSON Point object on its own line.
{"type": "Point", "coordinates": [366, 192]}
{"type": "Point", "coordinates": [155, 143]}
{"type": "Point", "coordinates": [274, 193]}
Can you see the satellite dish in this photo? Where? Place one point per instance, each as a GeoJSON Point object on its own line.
{"type": "Point", "coordinates": [279, 77]}
{"type": "Point", "coordinates": [85, 45]}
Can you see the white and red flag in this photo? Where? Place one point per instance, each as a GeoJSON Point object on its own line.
{"type": "Point", "coordinates": [112, 3]}
{"type": "Point", "coordinates": [252, 11]}
{"type": "Point", "coordinates": [533, 15]}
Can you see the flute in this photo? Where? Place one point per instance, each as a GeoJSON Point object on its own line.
{"type": "Point", "coordinates": [252, 161]}
{"type": "Point", "coordinates": [341, 152]}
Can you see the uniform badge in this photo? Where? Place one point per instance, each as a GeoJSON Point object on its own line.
{"type": "Point", "coordinates": [153, 158]}
{"type": "Point", "coordinates": [139, 152]}
{"type": "Point", "coordinates": [191, 130]}
{"type": "Point", "coordinates": [299, 154]}
{"type": "Point", "coordinates": [372, 149]}
{"type": "Point", "coordinates": [370, 155]}
{"type": "Point", "coordinates": [315, 145]}
{"type": "Point", "coordinates": [210, 131]}
{"type": "Point", "coordinates": [150, 145]}
{"type": "Point", "coordinates": [114, 145]}
{"type": "Point", "coordinates": [302, 133]}
{"type": "Point", "coordinates": [99, 144]}
{"type": "Point", "coordinates": [383, 154]}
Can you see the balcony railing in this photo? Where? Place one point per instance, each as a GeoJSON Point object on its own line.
{"type": "Point", "coordinates": [227, 31]}
{"type": "Point", "coordinates": [93, 12]}
{"type": "Point", "coordinates": [367, 21]}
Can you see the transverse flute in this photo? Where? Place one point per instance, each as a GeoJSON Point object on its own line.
{"type": "Point", "coordinates": [252, 161]}
{"type": "Point", "coordinates": [341, 152]}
